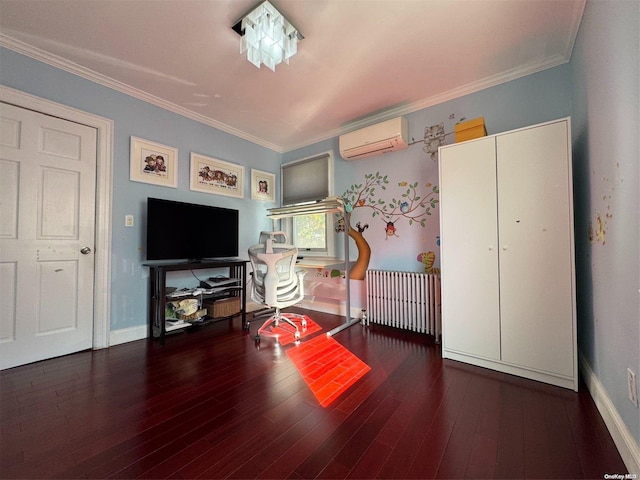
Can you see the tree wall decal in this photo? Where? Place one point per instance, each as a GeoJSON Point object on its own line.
{"type": "Point", "coordinates": [410, 204]}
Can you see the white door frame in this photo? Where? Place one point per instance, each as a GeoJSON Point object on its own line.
{"type": "Point", "coordinates": [104, 179]}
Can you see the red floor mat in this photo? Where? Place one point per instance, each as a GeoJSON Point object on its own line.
{"type": "Point", "coordinates": [285, 332]}
{"type": "Point", "coordinates": [327, 367]}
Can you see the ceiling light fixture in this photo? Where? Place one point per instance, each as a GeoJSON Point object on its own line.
{"type": "Point", "coordinates": [267, 37]}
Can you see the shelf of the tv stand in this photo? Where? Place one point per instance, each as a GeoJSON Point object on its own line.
{"type": "Point", "coordinates": [176, 327]}
{"type": "Point", "coordinates": [170, 326]}
{"type": "Point", "coordinates": [158, 327]}
{"type": "Point", "coordinates": [225, 292]}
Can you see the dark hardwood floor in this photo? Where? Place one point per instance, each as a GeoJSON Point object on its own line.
{"type": "Point", "coordinates": [209, 404]}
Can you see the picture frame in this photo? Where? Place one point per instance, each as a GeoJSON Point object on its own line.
{"type": "Point", "coordinates": [263, 185]}
{"type": "Point", "coordinates": [210, 175]}
{"type": "Point", "coordinates": [154, 163]}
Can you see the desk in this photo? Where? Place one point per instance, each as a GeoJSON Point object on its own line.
{"type": "Point", "coordinates": [158, 283]}
{"type": "Point", "coordinates": [326, 263]}
{"type": "Point", "coordinates": [328, 205]}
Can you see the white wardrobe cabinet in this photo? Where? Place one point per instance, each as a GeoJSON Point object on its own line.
{"type": "Point", "coordinates": [508, 275]}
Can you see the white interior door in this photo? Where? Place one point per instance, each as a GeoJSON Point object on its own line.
{"type": "Point", "coordinates": [469, 234]}
{"type": "Point", "coordinates": [47, 225]}
{"type": "Point", "coordinates": [536, 248]}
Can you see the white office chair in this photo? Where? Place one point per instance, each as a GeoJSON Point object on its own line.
{"type": "Point", "coordinates": [276, 283]}
{"type": "Point", "coordinates": [273, 237]}
{"type": "Point", "coordinates": [264, 238]}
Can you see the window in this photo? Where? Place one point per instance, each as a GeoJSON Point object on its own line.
{"type": "Point", "coordinates": [310, 232]}
{"type": "Point", "coordinates": [306, 181]}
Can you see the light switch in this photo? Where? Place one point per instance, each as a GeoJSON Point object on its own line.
{"type": "Point", "coordinates": [128, 220]}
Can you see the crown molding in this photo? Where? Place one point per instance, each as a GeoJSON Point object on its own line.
{"type": "Point", "coordinates": [73, 68]}
{"type": "Point", "coordinates": [437, 99]}
{"type": "Point", "coordinates": [88, 74]}
{"type": "Point", "coordinates": [574, 27]}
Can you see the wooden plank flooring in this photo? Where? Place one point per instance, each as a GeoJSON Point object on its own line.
{"type": "Point", "coordinates": [209, 404]}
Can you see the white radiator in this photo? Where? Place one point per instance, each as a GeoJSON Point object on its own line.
{"type": "Point", "coordinates": [407, 300]}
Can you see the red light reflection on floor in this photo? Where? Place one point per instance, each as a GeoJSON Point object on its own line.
{"type": "Point", "coordinates": [327, 367]}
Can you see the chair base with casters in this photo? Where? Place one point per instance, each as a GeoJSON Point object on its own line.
{"type": "Point", "coordinates": [274, 322]}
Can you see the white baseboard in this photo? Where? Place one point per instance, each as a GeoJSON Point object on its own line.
{"type": "Point", "coordinates": [626, 444]}
{"type": "Point", "coordinates": [131, 334]}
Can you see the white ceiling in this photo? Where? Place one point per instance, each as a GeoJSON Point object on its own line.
{"type": "Point", "coordinates": [361, 61]}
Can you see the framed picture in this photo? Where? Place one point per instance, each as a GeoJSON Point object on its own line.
{"type": "Point", "coordinates": [210, 175]}
{"type": "Point", "coordinates": [152, 162]}
{"type": "Point", "coordinates": [263, 185]}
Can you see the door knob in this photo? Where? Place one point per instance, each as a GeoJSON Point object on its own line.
{"type": "Point", "coordinates": [85, 250]}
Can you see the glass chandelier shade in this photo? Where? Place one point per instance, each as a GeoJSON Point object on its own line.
{"type": "Point", "coordinates": [268, 37]}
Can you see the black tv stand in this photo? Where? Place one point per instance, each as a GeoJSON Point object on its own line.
{"type": "Point", "coordinates": [158, 294]}
{"type": "Point", "coordinates": [210, 261]}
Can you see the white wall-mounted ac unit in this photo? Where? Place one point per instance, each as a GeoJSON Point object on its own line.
{"type": "Point", "coordinates": [384, 137]}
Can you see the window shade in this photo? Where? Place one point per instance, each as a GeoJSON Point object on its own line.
{"type": "Point", "coordinates": [306, 180]}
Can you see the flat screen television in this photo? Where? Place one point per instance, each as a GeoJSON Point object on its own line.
{"type": "Point", "coordinates": [178, 230]}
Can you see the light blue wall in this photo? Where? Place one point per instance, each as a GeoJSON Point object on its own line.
{"type": "Point", "coordinates": [537, 98]}
{"type": "Point", "coordinates": [603, 79]}
{"type": "Point", "coordinates": [533, 99]}
{"type": "Point", "coordinates": [132, 117]}
{"type": "Point", "coordinates": [606, 131]}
